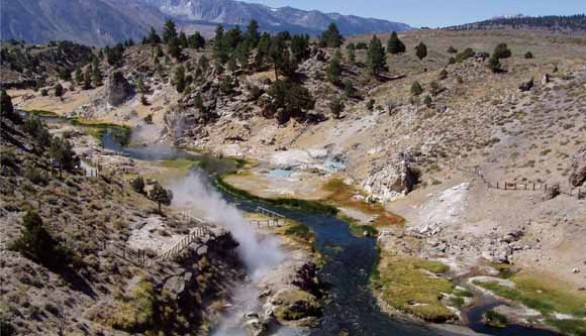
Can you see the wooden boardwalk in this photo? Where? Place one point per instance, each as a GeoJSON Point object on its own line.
{"type": "Point", "coordinates": [274, 219]}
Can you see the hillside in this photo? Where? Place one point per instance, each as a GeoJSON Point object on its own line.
{"type": "Point", "coordinates": [483, 160]}
{"type": "Point", "coordinates": [71, 259]}
{"type": "Point", "coordinates": [566, 24]}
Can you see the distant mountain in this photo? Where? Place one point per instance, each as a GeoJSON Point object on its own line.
{"type": "Point", "coordinates": [568, 24]}
{"type": "Point", "coordinates": [101, 22]}
{"type": "Point", "coordinates": [95, 22]}
{"type": "Point", "coordinates": [271, 19]}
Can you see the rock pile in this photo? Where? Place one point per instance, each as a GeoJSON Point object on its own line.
{"type": "Point", "coordinates": [393, 180]}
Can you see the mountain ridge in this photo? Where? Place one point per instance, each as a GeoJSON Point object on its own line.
{"type": "Point", "coordinates": [103, 22]}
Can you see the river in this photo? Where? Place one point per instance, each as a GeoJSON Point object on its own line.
{"type": "Point", "coordinates": [350, 308]}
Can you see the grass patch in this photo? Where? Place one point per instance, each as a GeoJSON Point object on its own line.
{"type": "Point", "coordinates": [180, 164]}
{"type": "Point", "coordinates": [343, 195]}
{"type": "Point", "coordinates": [120, 133]}
{"type": "Point", "coordinates": [304, 205]}
{"type": "Point", "coordinates": [495, 319]}
{"type": "Point", "coordinates": [540, 294]}
{"type": "Point", "coordinates": [407, 287]}
{"type": "Point", "coordinates": [456, 301]}
{"type": "Point", "coordinates": [572, 327]}
{"type": "Point", "coordinates": [357, 229]}
{"type": "Point", "coordinates": [42, 113]}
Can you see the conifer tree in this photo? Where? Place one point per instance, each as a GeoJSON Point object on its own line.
{"type": "Point", "coordinates": [331, 38]}
{"type": "Point", "coordinates": [183, 40]}
{"type": "Point", "coordinates": [196, 41]}
{"type": "Point", "coordinates": [376, 57]}
{"type": "Point", "coordinates": [180, 79]}
{"type": "Point", "coordinates": [160, 195]}
{"type": "Point", "coordinates": [395, 45]}
{"type": "Point", "coordinates": [421, 51]}
{"type": "Point", "coordinates": [220, 46]}
{"type": "Point", "coordinates": [252, 34]}
{"type": "Point", "coordinates": [169, 31]}
{"type": "Point", "coordinates": [334, 69]}
{"type": "Point", "coordinates": [154, 38]}
{"type": "Point", "coordinates": [58, 90]}
{"type": "Point", "coordinates": [351, 50]}
{"type": "Point", "coordinates": [78, 76]}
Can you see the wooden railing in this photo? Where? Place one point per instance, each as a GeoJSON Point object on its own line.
{"type": "Point", "coordinates": [275, 219]}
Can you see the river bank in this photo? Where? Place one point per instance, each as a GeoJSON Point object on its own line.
{"type": "Point", "coordinates": [330, 239]}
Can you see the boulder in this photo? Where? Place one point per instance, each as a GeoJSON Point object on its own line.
{"type": "Point", "coordinates": [118, 90]}
{"type": "Point", "coordinates": [578, 169]}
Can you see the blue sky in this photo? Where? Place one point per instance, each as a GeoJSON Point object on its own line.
{"type": "Point", "coordinates": [436, 13]}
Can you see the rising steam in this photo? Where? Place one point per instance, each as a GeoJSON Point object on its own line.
{"type": "Point", "coordinates": [259, 254]}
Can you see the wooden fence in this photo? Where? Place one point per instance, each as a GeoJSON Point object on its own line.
{"type": "Point", "coordinates": [532, 186]}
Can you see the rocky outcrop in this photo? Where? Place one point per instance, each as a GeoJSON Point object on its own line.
{"type": "Point", "coordinates": [578, 169]}
{"type": "Point", "coordinates": [118, 90]}
{"type": "Point", "coordinates": [393, 180]}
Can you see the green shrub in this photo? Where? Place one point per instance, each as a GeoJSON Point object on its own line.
{"type": "Point", "coordinates": [37, 244]}
{"type": "Point", "coordinates": [416, 89]}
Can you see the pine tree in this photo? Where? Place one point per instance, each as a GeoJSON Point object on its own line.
{"type": "Point", "coordinates": [203, 64]}
{"type": "Point", "coordinates": [174, 48]}
{"type": "Point", "coordinates": [196, 41]}
{"type": "Point", "coordinates": [416, 89]}
{"type": "Point", "coordinates": [421, 51]}
{"type": "Point", "coordinates": [331, 38]}
{"type": "Point", "coordinates": [334, 70]}
{"type": "Point", "coordinates": [169, 31]}
{"type": "Point", "coordinates": [96, 74]}
{"type": "Point", "coordinates": [58, 90]}
{"type": "Point", "coordinates": [138, 184]}
{"type": "Point", "coordinates": [242, 55]}
{"type": "Point", "coordinates": [277, 54]}
{"type": "Point", "coordinates": [262, 50]}
{"type": "Point", "coordinates": [502, 51]}
{"type": "Point", "coordinates": [161, 196]}
{"type": "Point", "coordinates": [154, 38]}
{"type": "Point", "coordinates": [336, 107]}
{"type": "Point", "coordinates": [183, 40]}
{"type": "Point", "coordinates": [395, 45]}
{"type": "Point", "coordinates": [290, 100]}
{"type": "Point", "coordinates": [78, 76]}
{"type": "Point", "coordinates": [220, 46]}
{"type": "Point", "coordinates": [62, 153]}
{"type": "Point", "coordinates": [351, 49]}
{"type": "Point", "coordinates": [180, 79]}
{"type": "Point", "coordinates": [87, 78]}
{"type": "Point", "coordinates": [7, 109]}
{"type": "Point", "coordinates": [349, 89]}
{"type": "Point", "coordinates": [376, 57]}
{"type": "Point", "coordinates": [300, 47]}
{"type": "Point", "coordinates": [252, 34]}
{"type": "Point", "coordinates": [232, 38]}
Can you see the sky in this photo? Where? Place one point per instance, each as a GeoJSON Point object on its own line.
{"type": "Point", "coordinates": [435, 13]}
